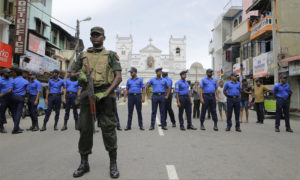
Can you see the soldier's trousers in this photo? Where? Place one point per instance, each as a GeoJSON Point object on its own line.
{"type": "Point", "coordinates": [108, 122]}
{"type": "Point", "coordinates": [18, 101]}
{"type": "Point", "coordinates": [33, 109]}
{"type": "Point", "coordinates": [168, 109]}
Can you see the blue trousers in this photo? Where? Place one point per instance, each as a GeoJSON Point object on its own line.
{"type": "Point", "coordinates": [233, 104]}
{"type": "Point", "coordinates": [33, 109]}
{"type": "Point", "coordinates": [282, 105]}
{"type": "Point", "coordinates": [70, 103]}
{"type": "Point", "coordinates": [168, 109]}
{"type": "Point", "coordinates": [185, 105]}
{"type": "Point", "coordinates": [158, 100]}
{"type": "Point", "coordinates": [54, 102]}
{"type": "Point", "coordinates": [6, 102]}
{"type": "Point", "coordinates": [135, 100]}
{"type": "Point", "coordinates": [18, 101]}
{"type": "Point", "coordinates": [211, 104]}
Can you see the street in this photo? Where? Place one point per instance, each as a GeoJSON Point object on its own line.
{"type": "Point", "coordinates": [257, 153]}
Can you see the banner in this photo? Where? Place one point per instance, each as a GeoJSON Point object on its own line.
{"type": "Point", "coordinates": [36, 44]}
{"type": "Point", "coordinates": [260, 65]}
{"type": "Point", "coordinates": [5, 55]}
{"type": "Point", "coordinates": [20, 27]}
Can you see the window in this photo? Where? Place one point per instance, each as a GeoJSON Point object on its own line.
{"type": "Point", "coordinates": [178, 51]}
{"type": "Point", "coordinates": [40, 27]}
{"type": "Point", "coordinates": [235, 24]}
{"type": "Point", "coordinates": [61, 41]}
{"type": "Point", "coordinates": [240, 19]}
{"type": "Point", "coordinates": [54, 37]}
{"type": "Point", "coordinates": [123, 52]}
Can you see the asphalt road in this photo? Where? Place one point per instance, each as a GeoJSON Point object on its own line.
{"type": "Point", "coordinates": [258, 153]}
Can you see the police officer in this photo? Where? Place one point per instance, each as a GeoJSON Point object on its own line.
{"type": "Point", "coordinates": [209, 98]}
{"type": "Point", "coordinates": [184, 101]}
{"type": "Point", "coordinates": [71, 91]}
{"type": "Point", "coordinates": [53, 98]}
{"type": "Point", "coordinates": [19, 91]}
{"type": "Point", "coordinates": [282, 92]}
{"type": "Point", "coordinates": [106, 73]}
{"type": "Point", "coordinates": [34, 90]}
{"type": "Point", "coordinates": [6, 85]}
{"type": "Point", "coordinates": [232, 90]}
{"type": "Point", "coordinates": [135, 90]}
{"type": "Point", "coordinates": [168, 106]}
{"type": "Point", "coordinates": [161, 91]}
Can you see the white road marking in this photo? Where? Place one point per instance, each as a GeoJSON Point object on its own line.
{"type": "Point", "coordinates": [172, 172]}
{"type": "Point", "coordinates": [160, 131]}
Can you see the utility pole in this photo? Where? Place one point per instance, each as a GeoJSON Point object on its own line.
{"type": "Point", "coordinates": [275, 41]}
{"type": "Point", "coordinates": [77, 36]}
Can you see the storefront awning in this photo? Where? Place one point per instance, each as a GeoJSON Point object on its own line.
{"type": "Point", "coordinates": [289, 59]}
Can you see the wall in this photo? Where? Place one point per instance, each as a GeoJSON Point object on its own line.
{"type": "Point", "coordinates": [246, 5]}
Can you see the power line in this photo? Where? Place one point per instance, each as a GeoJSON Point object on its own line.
{"type": "Point", "coordinates": [53, 17]}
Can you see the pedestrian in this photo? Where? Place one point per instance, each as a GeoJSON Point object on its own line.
{"type": "Point", "coordinates": [6, 102]}
{"type": "Point", "coordinates": [106, 70]}
{"type": "Point", "coordinates": [161, 91]}
{"type": "Point", "coordinates": [196, 99]}
{"type": "Point", "coordinates": [232, 90]}
{"type": "Point", "coordinates": [246, 91]}
{"type": "Point", "coordinates": [53, 98]}
{"type": "Point", "coordinates": [135, 91]}
{"type": "Point", "coordinates": [282, 92]}
{"type": "Point", "coordinates": [34, 89]}
{"type": "Point", "coordinates": [168, 105]}
{"type": "Point", "coordinates": [209, 98]}
{"type": "Point", "coordinates": [19, 91]}
{"type": "Point", "coordinates": [71, 91]}
{"type": "Point", "coordinates": [222, 105]}
{"type": "Point", "coordinates": [117, 92]}
{"type": "Point", "coordinates": [184, 101]}
{"type": "Point", "coordinates": [259, 91]}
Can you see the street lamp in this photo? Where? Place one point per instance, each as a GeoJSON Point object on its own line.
{"type": "Point", "coordinates": [78, 32]}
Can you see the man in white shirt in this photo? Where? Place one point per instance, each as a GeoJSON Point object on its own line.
{"type": "Point", "coordinates": [222, 100]}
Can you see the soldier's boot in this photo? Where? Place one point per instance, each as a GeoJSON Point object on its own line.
{"type": "Point", "coordinates": [65, 127]}
{"type": "Point", "coordinates": [2, 129]}
{"type": "Point", "coordinates": [55, 126]}
{"type": "Point", "coordinates": [216, 126]}
{"type": "Point", "coordinates": [114, 172]}
{"type": "Point", "coordinates": [202, 126]}
{"type": "Point", "coordinates": [31, 127]}
{"type": "Point", "coordinates": [36, 126]}
{"type": "Point", "coordinates": [83, 168]}
{"type": "Point", "coordinates": [44, 128]}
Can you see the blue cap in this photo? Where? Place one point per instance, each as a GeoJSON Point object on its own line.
{"type": "Point", "coordinates": [209, 71]}
{"type": "Point", "coordinates": [55, 71]}
{"type": "Point", "coordinates": [158, 69]}
{"type": "Point", "coordinates": [283, 76]}
{"type": "Point", "coordinates": [33, 73]}
{"type": "Point", "coordinates": [6, 70]}
{"type": "Point", "coordinates": [183, 72]}
{"type": "Point", "coordinates": [132, 69]}
{"type": "Point", "coordinates": [233, 74]}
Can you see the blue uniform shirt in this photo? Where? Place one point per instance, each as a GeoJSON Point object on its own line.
{"type": "Point", "coordinates": [233, 89]}
{"type": "Point", "coordinates": [158, 85]}
{"type": "Point", "coordinates": [71, 86]}
{"type": "Point", "coordinates": [135, 85]}
{"type": "Point", "coordinates": [55, 85]}
{"type": "Point", "coordinates": [282, 91]}
{"type": "Point", "coordinates": [182, 87]}
{"type": "Point", "coordinates": [34, 87]}
{"type": "Point", "coordinates": [170, 82]}
{"type": "Point", "coordinates": [6, 84]}
{"type": "Point", "coordinates": [19, 86]}
{"type": "Point", "coordinates": [209, 85]}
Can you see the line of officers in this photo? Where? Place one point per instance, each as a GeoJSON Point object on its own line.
{"type": "Point", "coordinates": [15, 93]}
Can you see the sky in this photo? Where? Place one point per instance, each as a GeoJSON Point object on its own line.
{"type": "Point", "coordinates": [144, 19]}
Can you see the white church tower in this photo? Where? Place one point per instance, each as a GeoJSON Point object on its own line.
{"type": "Point", "coordinates": [178, 53]}
{"type": "Point", "coordinates": [124, 50]}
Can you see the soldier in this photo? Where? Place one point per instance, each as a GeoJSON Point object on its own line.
{"type": "Point", "coordinates": [53, 98]}
{"type": "Point", "coordinates": [106, 73]}
{"type": "Point", "coordinates": [34, 90]}
{"type": "Point", "coordinates": [282, 92]}
{"type": "Point", "coordinates": [184, 101]}
{"type": "Point", "coordinates": [209, 98]}
{"type": "Point", "coordinates": [6, 85]}
{"type": "Point", "coordinates": [161, 91]}
{"type": "Point", "coordinates": [135, 90]}
{"type": "Point", "coordinates": [168, 106]}
{"type": "Point", "coordinates": [19, 91]}
{"type": "Point", "coordinates": [71, 91]}
{"type": "Point", "coordinates": [232, 90]}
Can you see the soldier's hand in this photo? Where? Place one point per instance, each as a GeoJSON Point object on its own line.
{"type": "Point", "coordinates": [36, 103]}
{"type": "Point", "coordinates": [178, 104]}
{"type": "Point", "coordinates": [46, 101]}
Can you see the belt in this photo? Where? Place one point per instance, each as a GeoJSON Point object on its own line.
{"type": "Point", "coordinates": [209, 94]}
{"type": "Point", "coordinates": [283, 98]}
{"type": "Point", "coordinates": [162, 93]}
{"type": "Point", "coordinates": [31, 95]}
{"type": "Point", "coordinates": [233, 96]}
{"type": "Point", "coordinates": [71, 92]}
{"type": "Point", "coordinates": [55, 94]}
{"type": "Point", "coordinates": [134, 94]}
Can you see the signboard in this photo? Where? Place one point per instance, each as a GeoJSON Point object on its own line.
{"type": "Point", "coordinates": [263, 65]}
{"type": "Point", "coordinates": [5, 55]}
{"type": "Point", "coordinates": [237, 68]}
{"type": "Point", "coordinates": [38, 63]}
{"type": "Point", "coordinates": [20, 27]}
{"type": "Point", "coordinates": [294, 68]}
{"type": "Point", "coordinates": [36, 44]}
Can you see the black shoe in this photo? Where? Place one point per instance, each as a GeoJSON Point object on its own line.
{"type": "Point", "coordinates": [83, 167]}
{"type": "Point", "coordinates": [151, 128]}
{"type": "Point", "coordinates": [30, 129]}
{"type": "Point", "coordinates": [216, 128]}
{"type": "Point", "coordinates": [202, 127]}
{"type": "Point", "coordinates": [191, 127]}
{"type": "Point", "coordinates": [182, 128]}
{"type": "Point", "coordinates": [16, 132]}
{"type": "Point", "coordinates": [2, 130]}
{"type": "Point", "coordinates": [44, 128]}
{"type": "Point", "coordinates": [227, 129]}
{"type": "Point", "coordinates": [55, 126]}
{"type": "Point", "coordinates": [36, 128]}
{"type": "Point", "coordinates": [114, 172]}
{"type": "Point", "coordinates": [119, 128]}
{"type": "Point", "coordinates": [164, 128]}
{"type": "Point", "coordinates": [142, 129]}
{"type": "Point", "coordinates": [238, 129]}
{"type": "Point", "coordinates": [20, 129]}
{"type": "Point", "coordinates": [64, 128]}
{"type": "Point", "coordinates": [173, 125]}
{"type": "Point", "coordinates": [289, 130]}
{"type": "Point", "coordinates": [127, 128]}
{"type": "Point", "coordinates": [277, 130]}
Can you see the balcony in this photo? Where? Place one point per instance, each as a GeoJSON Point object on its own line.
{"type": "Point", "coordinates": [241, 32]}
{"type": "Point", "coordinates": [232, 8]}
{"type": "Point", "coordinates": [261, 27]}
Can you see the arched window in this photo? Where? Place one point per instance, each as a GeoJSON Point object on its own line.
{"type": "Point", "coordinates": [240, 19]}
{"type": "Point", "coordinates": [235, 23]}
{"type": "Point", "coordinates": [123, 52]}
{"type": "Point", "coordinates": [178, 51]}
